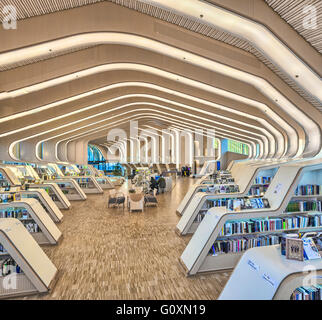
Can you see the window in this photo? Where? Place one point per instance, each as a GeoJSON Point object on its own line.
{"type": "Point", "coordinates": [238, 147]}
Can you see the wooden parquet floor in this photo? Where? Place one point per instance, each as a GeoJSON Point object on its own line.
{"type": "Point", "coordinates": [114, 254]}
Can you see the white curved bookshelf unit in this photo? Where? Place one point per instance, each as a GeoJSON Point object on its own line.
{"type": "Point", "coordinates": [264, 274]}
{"type": "Point", "coordinates": [35, 219]}
{"type": "Point", "coordinates": [200, 255]}
{"type": "Point", "coordinates": [34, 273]}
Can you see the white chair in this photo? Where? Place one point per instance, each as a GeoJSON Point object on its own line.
{"type": "Point", "coordinates": [136, 201]}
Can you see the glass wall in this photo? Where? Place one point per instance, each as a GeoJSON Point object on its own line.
{"type": "Point", "coordinates": [96, 159]}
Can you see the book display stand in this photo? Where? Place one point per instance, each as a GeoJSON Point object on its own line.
{"type": "Point", "coordinates": [202, 254]}
{"type": "Point", "coordinates": [54, 192]}
{"type": "Point", "coordinates": [88, 184]}
{"type": "Point", "coordinates": [69, 189]}
{"type": "Point", "coordinates": [26, 269]}
{"type": "Point", "coordinates": [199, 200]}
{"type": "Point", "coordinates": [34, 218]}
{"type": "Point", "coordinates": [103, 181]}
{"type": "Point", "coordinates": [242, 174]}
{"type": "Point", "coordinates": [42, 196]}
{"type": "Point", "coordinates": [27, 174]}
{"type": "Point", "coordinates": [270, 274]}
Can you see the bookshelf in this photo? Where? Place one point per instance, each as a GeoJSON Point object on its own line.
{"type": "Point", "coordinates": [8, 178]}
{"type": "Point", "coordinates": [199, 257]}
{"type": "Point", "coordinates": [242, 173]}
{"type": "Point", "coordinates": [11, 177]}
{"type": "Point", "coordinates": [31, 269]}
{"type": "Point", "coordinates": [88, 184]}
{"type": "Point", "coordinates": [42, 177]}
{"type": "Point", "coordinates": [43, 198]}
{"type": "Point", "coordinates": [70, 188]}
{"type": "Point", "coordinates": [273, 277]}
{"type": "Point", "coordinates": [197, 202]}
{"type": "Point", "coordinates": [34, 218]}
{"type": "Point", "coordinates": [54, 192]}
{"type": "Point", "coordinates": [103, 181]}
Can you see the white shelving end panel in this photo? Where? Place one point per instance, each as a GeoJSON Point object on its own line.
{"type": "Point", "coordinates": [80, 195]}
{"type": "Point", "coordinates": [200, 239]}
{"type": "Point", "coordinates": [60, 195]}
{"type": "Point", "coordinates": [51, 206]}
{"type": "Point", "coordinates": [262, 273]}
{"type": "Point", "coordinates": [97, 188]}
{"type": "Point", "coordinates": [244, 176]}
{"type": "Point", "coordinates": [39, 273]}
{"type": "Point", "coordinates": [50, 233]}
{"type": "Point", "coordinates": [187, 198]}
{"type": "Point", "coordinates": [10, 176]}
{"type": "Point", "coordinates": [190, 212]}
{"type": "Point", "coordinates": [107, 184]}
{"type": "Point", "coordinates": [209, 228]}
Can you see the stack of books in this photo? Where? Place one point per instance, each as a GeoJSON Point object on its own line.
{"type": "Point", "coordinates": [243, 243]}
{"type": "Point", "coordinates": [309, 189]}
{"type": "Point", "coordinates": [15, 213]}
{"type": "Point", "coordinates": [262, 180]}
{"type": "Point", "coordinates": [247, 203]}
{"type": "Point", "coordinates": [270, 224]}
{"type": "Point", "coordinates": [308, 293]}
{"type": "Point", "coordinates": [302, 206]}
{"type": "Point", "coordinates": [8, 266]}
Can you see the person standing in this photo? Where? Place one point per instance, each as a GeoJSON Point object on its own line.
{"type": "Point", "coordinates": [162, 184]}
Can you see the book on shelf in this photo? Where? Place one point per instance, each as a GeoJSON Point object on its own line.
{"type": "Point", "coordinates": [8, 266]}
{"type": "Point", "coordinates": [302, 206]}
{"type": "Point", "coordinates": [262, 180]}
{"type": "Point", "coordinates": [257, 191]}
{"type": "Point", "coordinates": [247, 203]}
{"type": "Point", "coordinates": [222, 189]}
{"type": "Point", "coordinates": [308, 293]}
{"type": "Point", "coordinates": [310, 249]}
{"type": "Point", "coordinates": [308, 189]}
{"type": "Point", "coordinates": [235, 245]}
{"type": "Point", "coordinates": [270, 224]}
